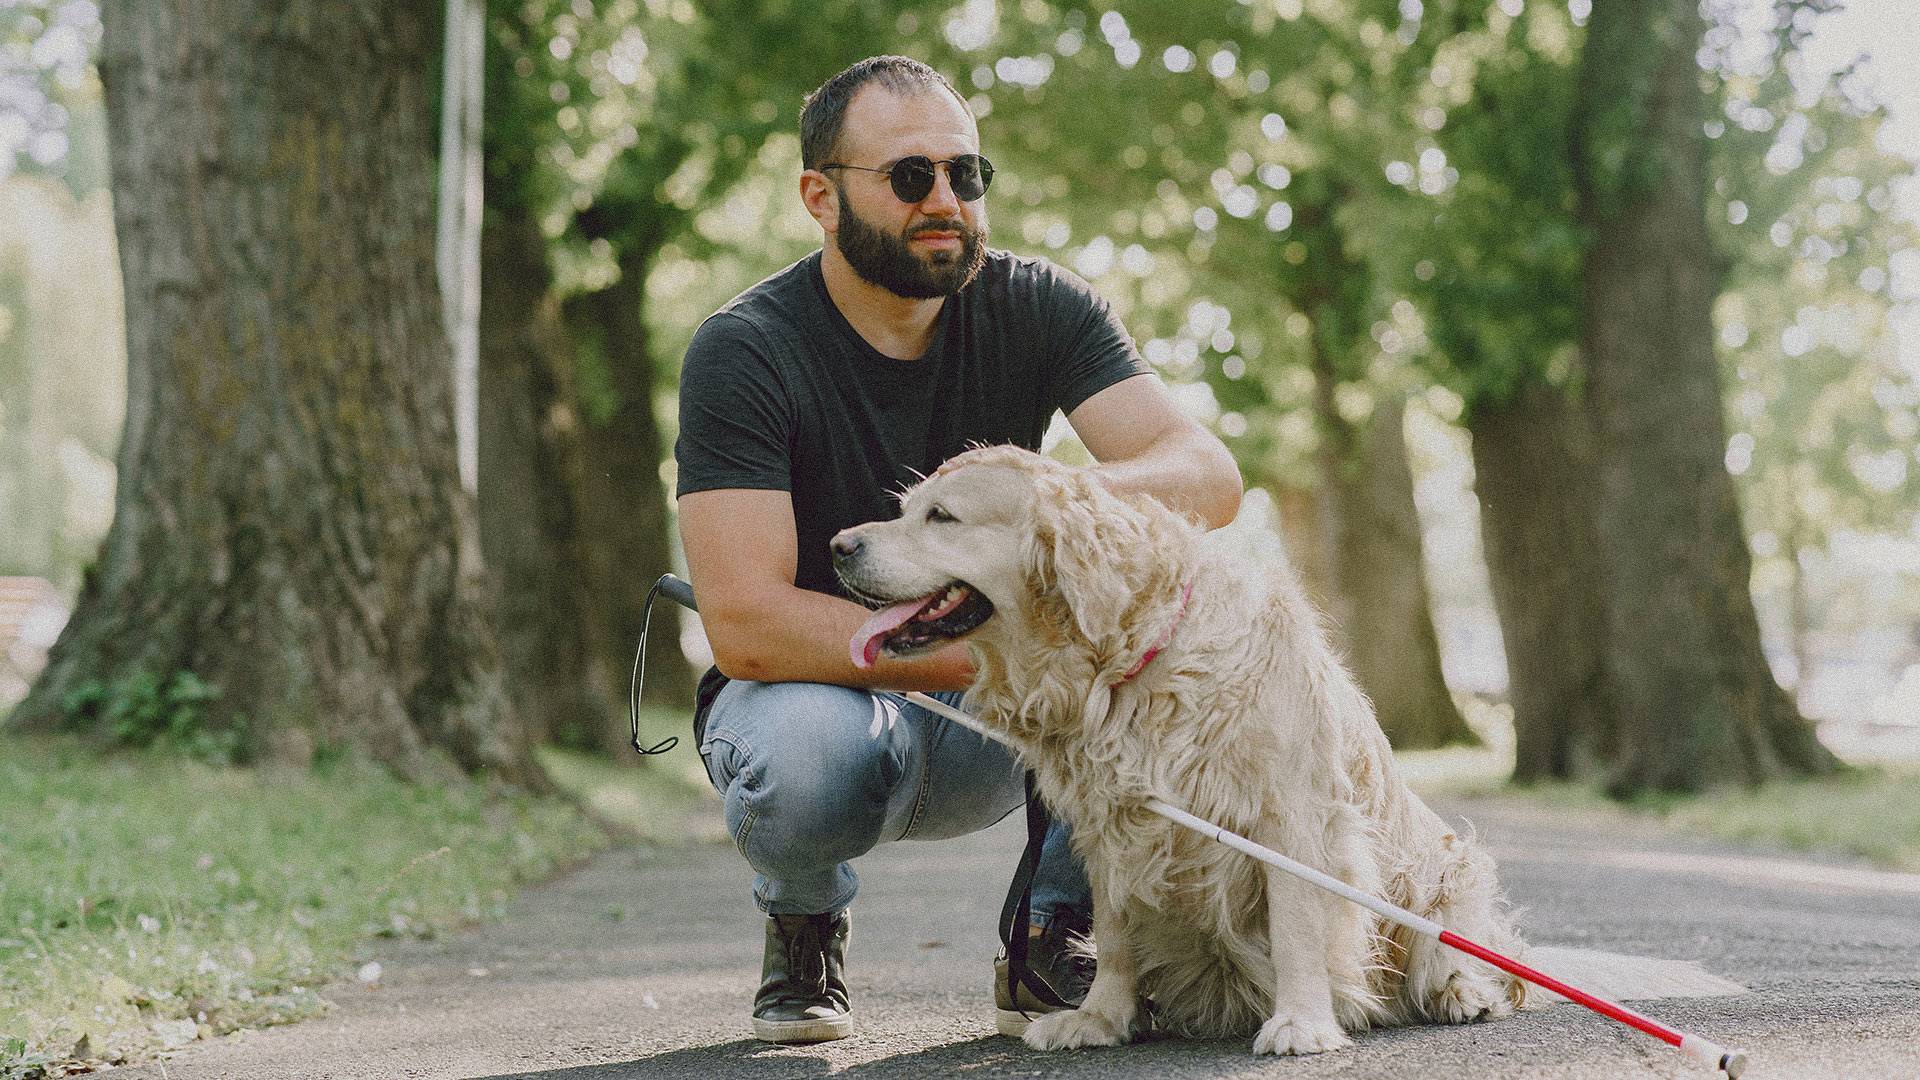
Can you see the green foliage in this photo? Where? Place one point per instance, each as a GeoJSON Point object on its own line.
{"type": "Point", "coordinates": [16, 1062]}
{"type": "Point", "coordinates": [141, 890]}
{"type": "Point", "coordinates": [146, 710]}
{"type": "Point", "coordinates": [45, 63]}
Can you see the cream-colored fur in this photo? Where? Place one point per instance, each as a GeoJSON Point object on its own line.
{"type": "Point", "coordinates": [1248, 719]}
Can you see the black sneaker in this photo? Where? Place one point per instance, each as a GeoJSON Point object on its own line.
{"type": "Point", "coordinates": [1056, 957]}
{"type": "Point", "coordinates": [803, 986]}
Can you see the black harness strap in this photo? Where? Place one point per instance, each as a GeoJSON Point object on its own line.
{"type": "Point", "coordinates": [1017, 912]}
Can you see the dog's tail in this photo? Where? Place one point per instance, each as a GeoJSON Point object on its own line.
{"type": "Point", "coordinates": [1623, 978]}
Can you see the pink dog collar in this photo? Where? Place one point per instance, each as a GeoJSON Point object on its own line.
{"type": "Point", "coordinates": [1164, 638]}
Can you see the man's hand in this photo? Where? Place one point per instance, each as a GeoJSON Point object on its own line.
{"type": "Point", "coordinates": [1143, 444]}
{"type": "Point", "coordinates": [742, 557]}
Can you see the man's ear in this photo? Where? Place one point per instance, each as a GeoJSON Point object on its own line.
{"type": "Point", "coordinates": [821, 197]}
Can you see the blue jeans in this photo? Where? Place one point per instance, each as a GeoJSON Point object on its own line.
{"type": "Point", "coordinates": [816, 775]}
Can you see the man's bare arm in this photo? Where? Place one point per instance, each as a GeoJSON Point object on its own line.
{"type": "Point", "coordinates": [1144, 444]}
{"type": "Point", "coordinates": [741, 555]}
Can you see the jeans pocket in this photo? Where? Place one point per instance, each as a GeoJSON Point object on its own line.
{"type": "Point", "coordinates": [724, 761]}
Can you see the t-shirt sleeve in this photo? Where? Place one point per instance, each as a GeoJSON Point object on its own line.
{"type": "Point", "coordinates": [735, 417]}
{"type": "Point", "coordinates": [1093, 349]}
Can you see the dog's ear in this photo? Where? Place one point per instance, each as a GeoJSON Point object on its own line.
{"type": "Point", "coordinates": [1078, 552]}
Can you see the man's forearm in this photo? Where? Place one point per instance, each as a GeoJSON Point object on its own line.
{"type": "Point", "coordinates": [1190, 471]}
{"type": "Point", "coordinates": [795, 635]}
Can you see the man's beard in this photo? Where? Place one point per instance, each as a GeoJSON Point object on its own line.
{"type": "Point", "coordinates": [889, 261]}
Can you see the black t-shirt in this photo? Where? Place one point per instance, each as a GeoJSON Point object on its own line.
{"type": "Point", "coordinates": [779, 392]}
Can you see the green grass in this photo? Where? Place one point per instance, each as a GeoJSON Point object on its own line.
{"type": "Point", "coordinates": [1872, 812]}
{"type": "Point", "coordinates": [663, 799]}
{"type": "Point", "coordinates": [146, 899]}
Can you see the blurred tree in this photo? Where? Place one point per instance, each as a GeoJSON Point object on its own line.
{"type": "Point", "coordinates": [1242, 143]}
{"type": "Point", "coordinates": [1697, 704]}
{"type": "Point", "coordinates": [1822, 408]}
{"type": "Point", "coordinates": [289, 525]}
{"type": "Point", "coordinates": [1485, 237]}
{"type": "Point", "coordinates": [611, 131]}
{"type": "Point", "coordinates": [61, 371]}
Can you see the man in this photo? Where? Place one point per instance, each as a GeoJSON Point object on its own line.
{"type": "Point", "coordinates": [806, 404]}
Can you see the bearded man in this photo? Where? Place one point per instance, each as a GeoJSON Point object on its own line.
{"type": "Point", "coordinates": [806, 404]}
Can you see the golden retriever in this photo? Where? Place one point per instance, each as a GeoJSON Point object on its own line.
{"type": "Point", "coordinates": [1243, 715]}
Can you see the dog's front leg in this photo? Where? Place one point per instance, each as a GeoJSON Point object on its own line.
{"type": "Point", "coordinates": [1105, 1018]}
{"type": "Point", "coordinates": [1300, 921]}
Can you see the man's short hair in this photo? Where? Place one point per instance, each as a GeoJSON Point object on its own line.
{"type": "Point", "coordinates": [825, 111]}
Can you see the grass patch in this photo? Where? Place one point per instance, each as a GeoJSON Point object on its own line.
{"type": "Point", "coordinates": [1873, 813]}
{"type": "Point", "coordinates": [662, 799]}
{"type": "Point", "coordinates": [147, 900]}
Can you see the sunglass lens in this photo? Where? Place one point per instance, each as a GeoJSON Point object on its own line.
{"type": "Point", "coordinates": [912, 178]}
{"type": "Point", "coordinates": [969, 174]}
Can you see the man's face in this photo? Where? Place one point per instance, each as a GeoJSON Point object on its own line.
{"type": "Point", "coordinates": [920, 250]}
{"type": "Point", "coordinates": [892, 261]}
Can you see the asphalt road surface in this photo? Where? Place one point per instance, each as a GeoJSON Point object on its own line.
{"type": "Point", "coordinates": [643, 964]}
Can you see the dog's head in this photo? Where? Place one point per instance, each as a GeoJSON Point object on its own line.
{"type": "Point", "coordinates": [1012, 546]}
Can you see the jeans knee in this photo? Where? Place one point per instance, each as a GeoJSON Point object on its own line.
{"type": "Point", "coordinates": [807, 770]}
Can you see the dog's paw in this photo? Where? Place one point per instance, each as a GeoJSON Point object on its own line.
{"type": "Point", "coordinates": [1070, 1029]}
{"type": "Point", "coordinates": [1469, 997]}
{"type": "Point", "coordinates": [1296, 1035]}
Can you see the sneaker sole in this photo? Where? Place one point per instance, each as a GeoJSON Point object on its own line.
{"type": "Point", "coordinates": [1011, 1022]}
{"type": "Point", "coordinates": [802, 1031]}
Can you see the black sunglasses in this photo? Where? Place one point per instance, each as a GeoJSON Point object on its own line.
{"type": "Point", "coordinates": [912, 177]}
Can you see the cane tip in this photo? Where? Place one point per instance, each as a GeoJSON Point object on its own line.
{"type": "Point", "coordinates": [1733, 1063]}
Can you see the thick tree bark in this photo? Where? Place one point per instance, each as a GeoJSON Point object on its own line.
{"type": "Point", "coordinates": [1395, 651]}
{"type": "Point", "coordinates": [529, 472]}
{"type": "Point", "coordinates": [1532, 463]}
{"type": "Point", "coordinates": [1697, 704]}
{"type": "Point", "coordinates": [1383, 610]}
{"type": "Point", "coordinates": [1303, 531]}
{"type": "Point", "coordinates": [289, 524]}
{"type": "Point", "coordinates": [622, 500]}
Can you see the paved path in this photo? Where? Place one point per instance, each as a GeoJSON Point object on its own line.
{"type": "Point", "coordinates": [642, 964]}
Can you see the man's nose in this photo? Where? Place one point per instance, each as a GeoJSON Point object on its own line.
{"type": "Point", "coordinates": [941, 198]}
{"type": "Point", "coordinates": [845, 546]}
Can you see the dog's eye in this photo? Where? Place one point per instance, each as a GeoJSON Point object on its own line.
{"type": "Point", "coordinates": [939, 513]}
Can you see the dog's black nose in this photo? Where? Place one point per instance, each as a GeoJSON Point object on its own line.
{"type": "Point", "coordinates": [845, 546]}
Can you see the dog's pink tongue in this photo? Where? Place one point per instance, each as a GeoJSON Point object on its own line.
{"type": "Point", "coordinates": [865, 646]}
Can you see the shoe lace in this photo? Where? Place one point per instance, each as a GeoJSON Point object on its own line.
{"type": "Point", "coordinates": [807, 956]}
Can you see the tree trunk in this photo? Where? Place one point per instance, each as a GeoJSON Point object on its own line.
{"type": "Point", "coordinates": [31, 487]}
{"type": "Point", "coordinates": [289, 523]}
{"type": "Point", "coordinates": [529, 469]}
{"type": "Point", "coordinates": [1383, 607]}
{"type": "Point", "coordinates": [1303, 532]}
{"type": "Point", "coordinates": [1697, 704]}
{"type": "Point", "coordinates": [623, 502]}
{"type": "Point", "coordinates": [1532, 463]}
{"type": "Point", "coordinates": [1799, 613]}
